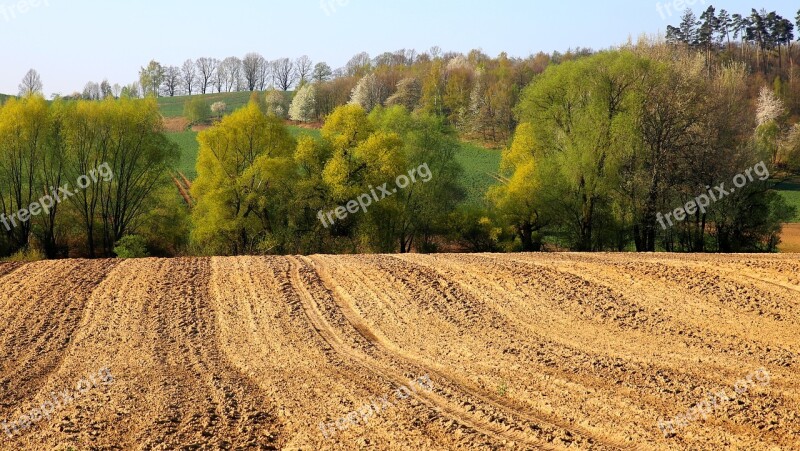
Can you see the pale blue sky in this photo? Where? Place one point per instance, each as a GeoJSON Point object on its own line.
{"type": "Point", "coordinates": [73, 41]}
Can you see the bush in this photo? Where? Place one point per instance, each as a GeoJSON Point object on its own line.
{"type": "Point", "coordinates": [131, 246]}
{"type": "Point", "coordinates": [26, 255]}
{"type": "Point", "coordinates": [196, 110]}
{"type": "Point", "coordinates": [218, 108]}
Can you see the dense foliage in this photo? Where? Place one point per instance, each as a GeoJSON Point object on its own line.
{"type": "Point", "coordinates": [615, 150]}
{"type": "Point", "coordinates": [77, 177]}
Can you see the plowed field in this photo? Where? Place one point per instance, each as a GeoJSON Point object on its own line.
{"type": "Point", "coordinates": [550, 351]}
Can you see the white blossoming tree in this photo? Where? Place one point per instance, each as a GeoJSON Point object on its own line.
{"type": "Point", "coordinates": [276, 103]}
{"type": "Point", "coordinates": [770, 107]}
{"type": "Point", "coordinates": [304, 104]}
{"type": "Point", "coordinates": [218, 108]}
{"type": "Point", "coordinates": [368, 93]}
{"type": "Point", "coordinates": [768, 133]}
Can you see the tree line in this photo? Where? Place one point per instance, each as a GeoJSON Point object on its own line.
{"type": "Point", "coordinates": [259, 190]}
{"type": "Point", "coordinates": [767, 36]}
{"type": "Point", "coordinates": [608, 143]}
{"type": "Point", "coordinates": [598, 145]}
{"type": "Point", "coordinates": [474, 92]}
{"type": "Point", "coordinates": [51, 199]}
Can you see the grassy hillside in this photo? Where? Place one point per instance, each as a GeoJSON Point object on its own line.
{"type": "Point", "coordinates": [173, 106]}
{"type": "Point", "coordinates": [790, 190]}
{"type": "Point", "coordinates": [188, 143]}
{"type": "Point", "coordinates": [478, 164]}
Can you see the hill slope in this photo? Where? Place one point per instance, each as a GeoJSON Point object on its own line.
{"type": "Point", "coordinates": [513, 351]}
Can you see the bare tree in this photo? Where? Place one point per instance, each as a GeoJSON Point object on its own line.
{"type": "Point", "coordinates": [284, 74]}
{"type": "Point", "coordinates": [172, 80]}
{"type": "Point", "coordinates": [359, 64]}
{"type": "Point", "coordinates": [206, 69]}
{"type": "Point", "coordinates": [31, 84]}
{"type": "Point", "coordinates": [264, 73]}
{"type": "Point", "coordinates": [189, 75]}
{"type": "Point", "coordinates": [233, 71]}
{"type": "Point", "coordinates": [304, 66]}
{"type": "Point", "coordinates": [252, 70]}
{"type": "Point", "coordinates": [105, 89]}
{"type": "Point", "coordinates": [220, 75]}
{"type": "Point", "coordinates": [91, 91]}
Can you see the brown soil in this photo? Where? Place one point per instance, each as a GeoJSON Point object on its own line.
{"type": "Point", "coordinates": [308, 125]}
{"type": "Point", "coordinates": [175, 124]}
{"type": "Point", "coordinates": [524, 351]}
{"type": "Point", "coordinates": [790, 238]}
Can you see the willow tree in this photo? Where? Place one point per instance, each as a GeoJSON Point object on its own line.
{"type": "Point", "coordinates": [24, 126]}
{"type": "Point", "coordinates": [128, 136]}
{"type": "Point", "coordinates": [521, 200]}
{"type": "Point", "coordinates": [245, 175]}
{"type": "Point", "coordinates": [370, 151]}
{"type": "Point", "coordinates": [582, 116]}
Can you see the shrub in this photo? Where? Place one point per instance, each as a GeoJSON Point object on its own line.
{"type": "Point", "coordinates": [131, 246]}
{"type": "Point", "coordinates": [277, 103]}
{"type": "Point", "coordinates": [218, 108]}
{"type": "Point", "coordinates": [26, 255]}
{"type": "Point", "coordinates": [196, 110]}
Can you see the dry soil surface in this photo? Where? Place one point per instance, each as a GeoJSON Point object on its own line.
{"type": "Point", "coordinates": [549, 351]}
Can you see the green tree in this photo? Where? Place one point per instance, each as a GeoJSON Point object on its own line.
{"type": "Point", "coordinates": [24, 125]}
{"type": "Point", "coordinates": [521, 200]}
{"type": "Point", "coordinates": [245, 175]}
{"type": "Point", "coordinates": [580, 113]}
{"type": "Point", "coordinates": [368, 151]}
{"type": "Point", "coordinates": [151, 78]}
{"type": "Point", "coordinates": [123, 143]}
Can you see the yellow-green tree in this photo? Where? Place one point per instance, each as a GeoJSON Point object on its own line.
{"type": "Point", "coordinates": [582, 116]}
{"type": "Point", "coordinates": [520, 200]}
{"type": "Point", "coordinates": [245, 175]}
{"type": "Point", "coordinates": [369, 151]}
{"type": "Point", "coordinates": [24, 125]}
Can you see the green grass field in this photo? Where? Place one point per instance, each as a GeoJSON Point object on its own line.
{"type": "Point", "coordinates": [173, 106]}
{"type": "Point", "coordinates": [301, 131]}
{"type": "Point", "coordinates": [790, 190]}
{"type": "Point", "coordinates": [478, 163]}
{"type": "Point", "coordinates": [187, 141]}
